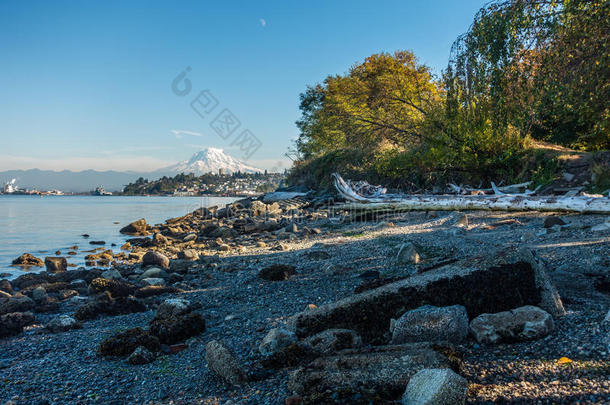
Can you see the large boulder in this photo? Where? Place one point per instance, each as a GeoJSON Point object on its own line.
{"type": "Point", "coordinates": [152, 258]}
{"type": "Point", "coordinates": [223, 363]}
{"type": "Point", "coordinates": [27, 259]}
{"type": "Point", "coordinates": [55, 264]}
{"type": "Point", "coordinates": [13, 323]}
{"type": "Point", "coordinates": [136, 228]}
{"type": "Point", "coordinates": [435, 387]}
{"type": "Point", "coordinates": [524, 323]}
{"type": "Point", "coordinates": [376, 374]}
{"type": "Point", "coordinates": [505, 280]}
{"type": "Point", "coordinates": [431, 324]}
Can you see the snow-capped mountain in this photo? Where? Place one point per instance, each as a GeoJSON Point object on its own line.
{"type": "Point", "coordinates": [210, 160]}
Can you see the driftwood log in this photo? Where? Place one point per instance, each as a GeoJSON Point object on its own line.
{"type": "Point", "coordinates": [379, 202]}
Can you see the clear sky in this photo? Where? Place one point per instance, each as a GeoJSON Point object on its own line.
{"type": "Point", "coordinates": [88, 84]}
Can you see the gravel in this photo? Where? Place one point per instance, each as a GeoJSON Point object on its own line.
{"type": "Point", "coordinates": [239, 308]}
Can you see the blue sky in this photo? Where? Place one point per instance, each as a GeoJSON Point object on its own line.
{"type": "Point", "coordinates": [87, 84]}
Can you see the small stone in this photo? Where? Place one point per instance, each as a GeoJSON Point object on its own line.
{"type": "Point", "coordinates": [224, 247]}
{"type": "Point", "coordinates": [437, 386]}
{"type": "Point", "coordinates": [173, 307]}
{"type": "Point", "coordinates": [568, 176]}
{"type": "Point", "coordinates": [141, 356]}
{"type": "Point", "coordinates": [190, 237]}
{"type": "Point", "coordinates": [276, 340]}
{"type": "Point", "coordinates": [112, 274]}
{"type": "Point", "coordinates": [155, 259]}
{"type": "Point", "coordinates": [153, 281]}
{"type": "Point", "coordinates": [333, 340]}
{"type": "Point", "coordinates": [223, 363]}
{"type": "Point", "coordinates": [188, 254]}
{"type": "Point", "coordinates": [154, 272]}
{"type": "Point", "coordinates": [407, 254]}
{"type": "Point", "coordinates": [462, 221]}
{"type": "Point", "coordinates": [63, 323]}
{"type": "Point", "coordinates": [292, 227]}
{"type": "Point", "coordinates": [261, 244]}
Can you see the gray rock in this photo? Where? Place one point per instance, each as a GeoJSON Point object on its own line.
{"type": "Point", "coordinates": [112, 274]}
{"type": "Point", "coordinates": [141, 355]}
{"type": "Point", "coordinates": [153, 281]}
{"type": "Point", "coordinates": [407, 254]}
{"type": "Point", "coordinates": [152, 258]}
{"type": "Point", "coordinates": [333, 340]}
{"type": "Point", "coordinates": [39, 294]}
{"type": "Point", "coordinates": [63, 323]}
{"type": "Point", "coordinates": [520, 324]}
{"type": "Point", "coordinates": [153, 272]}
{"type": "Point", "coordinates": [223, 363]}
{"type": "Point", "coordinates": [435, 387]}
{"type": "Point", "coordinates": [173, 307]}
{"type": "Point", "coordinates": [276, 340]}
{"type": "Point", "coordinates": [432, 324]}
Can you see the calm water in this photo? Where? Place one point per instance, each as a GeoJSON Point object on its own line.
{"type": "Point", "coordinates": [41, 226]}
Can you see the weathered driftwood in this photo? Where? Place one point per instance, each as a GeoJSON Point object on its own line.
{"type": "Point", "coordinates": [502, 202]}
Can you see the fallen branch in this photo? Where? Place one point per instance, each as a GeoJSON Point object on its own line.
{"type": "Point", "coordinates": [502, 202]}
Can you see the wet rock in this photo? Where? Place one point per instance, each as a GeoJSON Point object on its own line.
{"type": "Point", "coordinates": [223, 363]}
{"type": "Point", "coordinates": [16, 303]}
{"type": "Point", "coordinates": [159, 240]}
{"type": "Point", "coordinates": [153, 281]}
{"type": "Point", "coordinates": [178, 328]}
{"type": "Point", "coordinates": [275, 340]}
{"type": "Point", "coordinates": [30, 279]}
{"type": "Point", "coordinates": [39, 295]}
{"type": "Point", "coordinates": [431, 324]}
{"type": "Point", "coordinates": [277, 272]}
{"type": "Point", "coordinates": [152, 258]}
{"type": "Point", "coordinates": [116, 288]}
{"type": "Point", "coordinates": [333, 340]}
{"type": "Point", "coordinates": [492, 284]}
{"type": "Point", "coordinates": [125, 343]}
{"type": "Point", "coordinates": [188, 254]}
{"type": "Point", "coordinates": [97, 242]}
{"type": "Point", "coordinates": [63, 323]}
{"type": "Point", "coordinates": [136, 228]}
{"type": "Point", "coordinates": [6, 286]}
{"type": "Point", "coordinates": [27, 259]}
{"type": "Point", "coordinates": [374, 374]}
{"type": "Point", "coordinates": [521, 324]}
{"type": "Point", "coordinates": [437, 386]}
{"type": "Point", "coordinates": [112, 274]}
{"type": "Point", "coordinates": [56, 264]}
{"type": "Point", "coordinates": [13, 323]}
{"type": "Point", "coordinates": [105, 304]}
{"type": "Point", "coordinates": [141, 356]}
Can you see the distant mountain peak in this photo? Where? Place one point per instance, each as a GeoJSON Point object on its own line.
{"type": "Point", "coordinates": [210, 160]}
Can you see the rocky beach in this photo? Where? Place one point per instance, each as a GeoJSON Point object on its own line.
{"type": "Point", "coordinates": [297, 301]}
